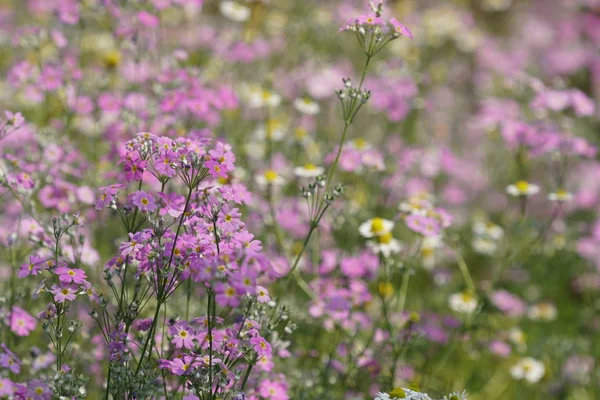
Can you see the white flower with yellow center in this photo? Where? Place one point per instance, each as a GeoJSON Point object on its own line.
{"type": "Point", "coordinates": [273, 130]}
{"type": "Point", "coordinates": [308, 171]}
{"type": "Point", "coordinates": [385, 244]}
{"type": "Point", "coordinates": [376, 227]}
{"type": "Point", "coordinates": [360, 144]}
{"type": "Point", "coordinates": [419, 204]}
{"type": "Point", "coordinates": [234, 11]}
{"type": "Point", "coordinates": [307, 106]}
{"type": "Point", "coordinates": [528, 368]}
{"type": "Point", "coordinates": [517, 336]}
{"type": "Point", "coordinates": [489, 229]}
{"type": "Point", "coordinates": [560, 195]}
{"type": "Point", "coordinates": [402, 393]}
{"type": "Point", "coordinates": [542, 312]}
{"type": "Point", "coordinates": [428, 251]}
{"type": "Point", "coordinates": [484, 245]}
{"type": "Point", "coordinates": [270, 177]}
{"type": "Point", "coordinates": [463, 302]}
{"type": "Point", "coordinates": [257, 97]}
{"type": "Point", "coordinates": [270, 98]}
{"type": "Point", "coordinates": [522, 188]}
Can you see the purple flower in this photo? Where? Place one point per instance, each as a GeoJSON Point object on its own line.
{"type": "Point", "coordinates": [143, 201]}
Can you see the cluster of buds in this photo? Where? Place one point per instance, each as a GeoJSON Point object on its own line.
{"type": "Point", "coordinates": [352, 99]}
{"type": "Point", "coordinates": [373, 32]}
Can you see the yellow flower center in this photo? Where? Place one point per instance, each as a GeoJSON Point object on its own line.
{"type": "Point", "coordinates": [310, 166]}
{"type": "Point", "coordinates": [398, 393]}
{"type": "Point", "coordinates": [270, 175]}
{"type": "Point", "coordinates": [385, 289]}
{"type": "Point", "coordinates": [360, 143]}
{"type": "Point", "coordinates": [385, 239]}
{"type": "Point", "coordinates": [522, 186]}
{"type": "Point", "coordinates": [377, 225]}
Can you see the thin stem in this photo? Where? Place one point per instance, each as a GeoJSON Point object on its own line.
{"type": "Point", "coordinates": [462, 265]}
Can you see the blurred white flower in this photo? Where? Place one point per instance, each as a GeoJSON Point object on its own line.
{"type": "Point", "coordinates": [306, 106]}
{"type": "Point", "coordinates": [529, 369]}
{"type": "Point", "coordinates": [463, 302]}
{"type": "Point", "coordinates": [234, 11]}
{"type": "Point", "coordinates": [522, 188]}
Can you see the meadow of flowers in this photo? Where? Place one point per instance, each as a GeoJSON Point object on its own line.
{"type": "Point", "coordinates": [300, 199]}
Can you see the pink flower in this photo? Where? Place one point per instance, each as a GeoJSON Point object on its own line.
{"type": "Point", "coordinates": [147, 19]}
{"type": "Point", "coordinates": [108, 195]}
{"type": "Point", "coordinates": [9, 360]}
{"type": "Point", "coordinates": [6, 387]}
{"type": "Point", "coordinates": [133, 167]}
{"type": "Point", "coordinates": [164, 163]}
{"type": "Point", "coordinates": [21, 322]}
{"type": "Point", "coordinates": [33, 267]}
{"type": "Point", "coordinates": [250, 246]}
{"type": "Point", "coordinates": [182, 336]}
{"type": "Point", "coordinates": [426, 226]}
{"type": "Point", "coordinates": [262, 295]}
{"type": "Point", "coordinates": [143, 201]}
{"type": "Point", "coordinates": [68, 275]}
{"type": "Point", "coordinates": [261, 346]}
{"type": "Point", "coordinates": [401, 29]}
{"type": "Point", "coordinates": [62, 294]}
{"type": "Point", "coordinates": [227, 296]}
{"type": "Point", "coordinates": [508, 303]}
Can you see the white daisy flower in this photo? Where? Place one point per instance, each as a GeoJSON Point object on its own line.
{"type": "Point", "coordinates": [488, 229]}
{"type": "Point", "coordinates": [484, 246]}
{"type": "Point", "coordinates": [360, 144]}
{"type": "Point", "coordinates": [270, 177]}
{"type": "Point", "coordinates": [542, 312]}
{"type": "Point", "coordinates": [234, 11]}
{"type": "Point", "coordinates": [385, 244]}
{"type": "Point", "coordinates": [517, 336]}
{"type": "Point", "coordinates": [274, 130]}
{"type": "Point", "coordinates": [560, 195]}
{"type": "Point", "coordinates": [307, 106]}
{"type": "Point", "coordinates": [308, 171]}
{"type": "Point", "coordinates": [528, 368]}
{"type": "Point", "coordinates": [402, 393]}
{"type": "Point", "coordinates": [428, 250]}
{"type": "Point", "coordinates": [257, 97]}
{"type": "Point", "coordinates": [522, 188]}
{"type": "Point", "coordinates": [463, 302]}
{"type": "Point", "coordinates": [376, 227]}
{"type": "Point", "coordinates": [419, 204]}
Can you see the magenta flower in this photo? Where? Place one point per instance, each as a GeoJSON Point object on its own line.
{"type": "Point", "coordinates": [426, 226]}
{"type": "Point", "coordinates": [135, 244]}
{"type": "Point", "coordinates": [262, 295]}
{"type": "Point", "coordinates": [261, 346]}
{"type": "Point", "coordinates": [249, 245]}
{"type": "Point", "coordinates": [33, 267]}
{"type": "Point", "coordinates": [62, 294]}
{"type": "Point", "coordinates": [68, 275]}
{"type": "Point", "coordinates": [183, 337]}
{"type": "Point", "coordinates": [134, 167]}
{"type": "Point", "coordinates": [401, 29]}
{"type": "Point", "coordinates": [9, 360]}
{"type": "Point", "coordinates": [164, 163]}
{"type": "Point", "coordinates": [227, 296]}
{"type": "Point", "coordinates": [21, 322]}
{"type": "Point", "coordinates": [108, 195]}
{"type": "Point", "coordinates": [143, 201]}
{"type": "Point", "coordinates": [6, 387]}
